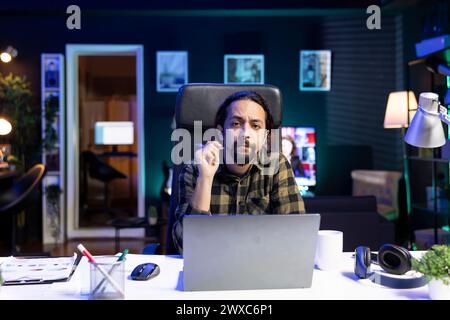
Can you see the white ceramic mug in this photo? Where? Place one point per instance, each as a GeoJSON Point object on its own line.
{"type": "Point", "coordinates": [329, 250]}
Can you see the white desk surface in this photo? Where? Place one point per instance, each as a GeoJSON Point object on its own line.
{"type": "Point", "coordinates": [339, 285]}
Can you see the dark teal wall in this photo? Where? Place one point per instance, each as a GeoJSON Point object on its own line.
{"type": "Point", "coordinates": [205, 39]}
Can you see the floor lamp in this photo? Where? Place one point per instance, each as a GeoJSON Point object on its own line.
{"type": "Point", "coordinates": [400, 109]}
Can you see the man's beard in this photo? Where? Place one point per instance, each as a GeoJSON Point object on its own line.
{"type": "Point", "coordinates": [241, 157]}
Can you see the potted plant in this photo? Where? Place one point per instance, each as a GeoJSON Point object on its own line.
{"type": "Point", "coordinates": [435, 265]}
{"type": "Point", "coordinates": [52, 193]}
{"type": "Point", "coordinates": [50, 139]}
{"type": "Point", "coordinates": [152, 215]}
{"type": "Point", "coordinates": [17, 103]}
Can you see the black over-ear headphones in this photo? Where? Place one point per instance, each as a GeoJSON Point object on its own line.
{"type": "Point", "coordinates": [393, 259]}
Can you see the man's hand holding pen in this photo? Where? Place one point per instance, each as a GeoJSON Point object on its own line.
{"type": "Point", "coordinates": [207, 159]}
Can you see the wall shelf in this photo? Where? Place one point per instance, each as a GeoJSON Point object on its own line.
{"type": "Point", "coordinates": [444, 211]}
{"type": "Point", "coordinates": [432, 205]}
{"type": "Point", "coordinates": [429, 172]}
{"type": "Point", "coordinates": [53, 173]}
{"type": "Point", "coordinates": [429, 159]}
{"type": "Point", "coordinates": [53, 89]}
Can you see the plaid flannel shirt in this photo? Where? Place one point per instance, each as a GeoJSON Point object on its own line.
{"type": "Point", "coordinates": [253, 193]}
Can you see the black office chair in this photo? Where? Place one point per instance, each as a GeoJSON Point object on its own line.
{"type": "Point", "coordinates": [15, 199]}
{"type": "Point", "coordinates": [196, 102]}
{"type": "Point", "coordinates": [102, 171]}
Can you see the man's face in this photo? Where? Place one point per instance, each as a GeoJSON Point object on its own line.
{"type": "Point", "coordinates": [245, 130]}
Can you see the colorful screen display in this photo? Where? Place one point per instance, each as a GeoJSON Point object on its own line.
{"type": "Point", "coordinates": [299, 146]}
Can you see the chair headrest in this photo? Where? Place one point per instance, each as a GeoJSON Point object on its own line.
{"type": "Point", "coordinates": [200, 101]}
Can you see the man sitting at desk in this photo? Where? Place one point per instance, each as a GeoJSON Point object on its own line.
{"type": "Point", "coordinates": [239, 185]}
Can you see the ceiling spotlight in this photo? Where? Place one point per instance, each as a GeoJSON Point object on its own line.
{"type": "Point", "coordinates": [7, 55]}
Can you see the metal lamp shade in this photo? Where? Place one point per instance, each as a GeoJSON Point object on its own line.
{"type": "Point", "coordinates": [426, 130]}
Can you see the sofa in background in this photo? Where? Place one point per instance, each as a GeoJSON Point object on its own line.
{"type": "Point", "coordinates": [356, 217]}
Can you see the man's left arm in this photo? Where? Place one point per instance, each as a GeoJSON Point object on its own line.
{"type": "Point", "coordinates": [285, 197]}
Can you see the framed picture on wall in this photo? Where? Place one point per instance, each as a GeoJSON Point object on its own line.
{"type": "Point", "coordinates": [244, 68]}
{"type": "Point", "coordinates": [171, 70]}
{"type": "Point", "coordinates": [315, 70]}
{"type": "Point", "coordinates": [51, 71]}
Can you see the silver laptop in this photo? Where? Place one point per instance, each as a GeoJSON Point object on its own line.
{"type": "Point", "coordinates": [241, 252]}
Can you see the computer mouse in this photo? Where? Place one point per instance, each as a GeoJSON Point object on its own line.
{"type": "Point", "coordinates": [145, 271]}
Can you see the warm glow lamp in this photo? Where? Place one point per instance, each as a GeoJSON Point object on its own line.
{"type": "Point", "coordinates": [8, 54]}
{"type": "Point", "coordinates": [400, 109]}
{"type": "Point", "coordinates": [5, 127]}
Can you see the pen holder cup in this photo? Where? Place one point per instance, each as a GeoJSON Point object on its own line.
{"type": "Point", "coordinates": [107, 278]}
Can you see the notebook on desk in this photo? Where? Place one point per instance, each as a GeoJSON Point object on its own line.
{"type": "Point", "coordinates": [241, 252]}
{"type": "Point", "coordinates": [38, 270]}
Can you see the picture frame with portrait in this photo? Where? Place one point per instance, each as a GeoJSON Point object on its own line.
{"type": "Point", "coordinates": [315, 70]}
{"type": "Point", "coordinates": [171, 70]}
{"type": "Point", "coordinates": [244, 69]}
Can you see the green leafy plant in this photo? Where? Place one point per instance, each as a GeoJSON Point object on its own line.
{"type": "Point", "coordinates": [435, 263]}
{"type": "Point", "coordinates": [52, 193]}
{"type": "Point", "coordinates": [16, 102]}
{"type": "Point", "coordinates": [152, 214]}
{"type": "Point", "coordinates": [51, 112]}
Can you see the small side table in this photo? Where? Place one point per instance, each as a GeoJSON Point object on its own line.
{"type": "Point", "coordinates": [134, 222]}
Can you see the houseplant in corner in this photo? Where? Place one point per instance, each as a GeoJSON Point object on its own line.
{"type": "Point", "coordinates": [53, 209]}
{"type": "Point", "coordinates": [17, 103]}
{"type": "Point", "coordinates": [435, 265]}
